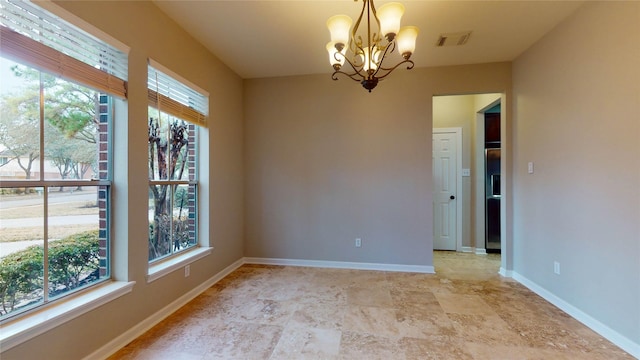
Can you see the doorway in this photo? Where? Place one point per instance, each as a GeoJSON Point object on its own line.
{"type": "Point", "coordinates": [465, 112]}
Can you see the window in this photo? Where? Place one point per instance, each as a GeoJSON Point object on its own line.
{"type": "Point", "coordinates": [176, 111]}
{"type": "Point", "coordinates": [55, 130]}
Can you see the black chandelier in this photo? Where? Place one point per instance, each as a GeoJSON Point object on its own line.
{"type": "Point", "coordinates": [366, 57]}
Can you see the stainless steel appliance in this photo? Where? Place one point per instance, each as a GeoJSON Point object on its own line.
{"type": "Point", "coordinates": [492, 195]}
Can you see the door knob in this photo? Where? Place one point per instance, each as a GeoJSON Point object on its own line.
{"type": "Point", "coordinates": [452, 197]}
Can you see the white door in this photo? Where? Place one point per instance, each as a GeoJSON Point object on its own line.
{"type": "Point", "coordinates": [444, 190]}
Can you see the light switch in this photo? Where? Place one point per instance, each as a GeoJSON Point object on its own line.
{"type": "Point", "coordinates": [530, 167]}
{"type": "Point", "coordinates": [466, 172]}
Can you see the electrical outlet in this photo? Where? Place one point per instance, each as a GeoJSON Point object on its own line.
{"type": "Point", "coordinates": [556, 268]}
{"type": "Point", "coordinates": [187, 270]}
{"type": "Point", "coordinates": [358, 242]}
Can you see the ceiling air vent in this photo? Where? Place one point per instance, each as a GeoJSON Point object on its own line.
{"type": "Point", "coordinates": [453, 39]}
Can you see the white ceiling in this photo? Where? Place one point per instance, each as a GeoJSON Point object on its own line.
{"type": "Point", "coordinates": [263, 38]}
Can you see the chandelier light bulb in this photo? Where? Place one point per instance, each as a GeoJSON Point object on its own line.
{"type": "Point", "coordinates": [390, 15]}
{"type": "Point", "coordinates": [336, 59]}
{"type": "Point", "coordinates": [373, 55]}
{"type": "Point", "coordinates": [407, 41]}
{"type": "Point", "coordinates": [339, 26]}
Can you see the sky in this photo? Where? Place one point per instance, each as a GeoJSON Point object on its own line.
{"type": "Point", "coordinates": [8, 81]}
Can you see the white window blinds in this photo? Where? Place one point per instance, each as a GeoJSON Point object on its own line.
{"type": "Point", "coordinates": [40, 39]}
{"type": "Point", "coordinates": [174, 97]}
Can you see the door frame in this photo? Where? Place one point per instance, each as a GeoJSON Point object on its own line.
{"type": "Point", "coordinates": [459, 195]}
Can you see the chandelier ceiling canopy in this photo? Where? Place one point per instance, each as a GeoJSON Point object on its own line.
{"type": "Point", "coordinates": [365, 52]}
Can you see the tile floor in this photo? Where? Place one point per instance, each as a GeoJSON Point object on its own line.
{"type": "Point", "coordinates": [465, 311]}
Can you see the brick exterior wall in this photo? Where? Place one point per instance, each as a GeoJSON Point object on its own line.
{"type": "Point", "coordinates": [104, 115]}
{"type": "Point", "coordinates": [191, 163]}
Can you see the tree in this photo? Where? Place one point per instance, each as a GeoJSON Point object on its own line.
{"type": "Point", "coordinates": [19, 127]}
{"type": "Point", "coordinates": [167, 160]}
{"type": "Point", "coordinates": [71, 156]}
{"type": "Point", "coordinates": [70, 128]}
{"type": "Point", "coordinates": [71, 109]}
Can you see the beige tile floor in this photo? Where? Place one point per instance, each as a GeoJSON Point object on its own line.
{"type": "Point", "coordinates": [465, 311]}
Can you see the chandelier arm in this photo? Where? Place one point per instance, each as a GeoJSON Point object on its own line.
{"type": "Point", "coordinates": [369, 32]}
{"type": "Point", "coordinates": [357, 69]}
{"type": "Point", "coordinates": [355, 76]}
{"type": "Point", "coordinates": [390, 70]}
{"type": "Point", "coordinates": [407, 61]}
{"type": "Point", "coordinates": [384, 54]}
{"type": "Point", "coordinates": [356, 47]}
{"type": "Point", "coordinates": [375, 14]}
{"type": "Point", "coordinates": [336, 56]}
{"type": "Point", "coordinates": [355, 28]}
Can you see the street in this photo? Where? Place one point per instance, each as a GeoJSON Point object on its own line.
{"type": "Point", "coordinates": [16, 203]}
{"type": "Point", "coordinates": [55, 197]}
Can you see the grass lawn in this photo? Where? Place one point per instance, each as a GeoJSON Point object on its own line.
{"type": "Point", "coordinates": [36, 211]}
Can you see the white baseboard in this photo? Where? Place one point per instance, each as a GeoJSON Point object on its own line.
{"type": "Point", "coordinates": [618, 339]}
{"type": "Point", "coordinates": [481, 251]}
{"type": "Point", "coordinates": [342, 265]}
{"type": "Point", "coordinates": [504, 272]}
{"type": "Point", "coordinates": [466, 249]}
{"type": "Point", "coordinates": [121, 341]}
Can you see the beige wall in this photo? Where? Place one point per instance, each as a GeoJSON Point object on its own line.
{"type": "Point", "coordinates": [327, 162]}
{"type": "Point", "coordinates": [576, 110]}
{"type": "Point", "coordinates": [149, 33]}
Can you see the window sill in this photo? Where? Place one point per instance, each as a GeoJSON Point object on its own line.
{"type": "Point", "coordinates": [25, 328]}
{"type": "Point", "coordinates": [156, 271]}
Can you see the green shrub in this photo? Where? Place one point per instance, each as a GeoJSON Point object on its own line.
{"type": "Point", "coordinates": [71, 258]}
{"type": "Point", "coordinates": [71, 261]}
{"type": "Point", "coordinates": [20, 275]}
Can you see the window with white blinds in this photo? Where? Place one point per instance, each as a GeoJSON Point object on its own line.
{"type": "Point", "coordinates": [38, 38]}
{"type": "Point", "coordinates": [173, 96]}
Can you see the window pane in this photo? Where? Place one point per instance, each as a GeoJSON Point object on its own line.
{"type": "Point", "coordinates": [74, 239]}
{"type": "Point", "coordinates": [21, 248]}
{"type": "Point", "coordinates": [71, 130]}
{"type": "Point", "coordinates": [184, 215]}
{"type": "Point", "coordinates": [159, 221]}
{"type": "Point", "coordinates": [172, 219]}
{"type": "Point", "coordinates": [171, 148]}
{"type": "Point", "coordinates": [158, 146]}
{"type": "Point", "coordinates": [181, 137]}
{"type": "Point", "coordinates": [19, 121]}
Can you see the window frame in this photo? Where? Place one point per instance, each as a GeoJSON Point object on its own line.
{"type": "Point", "coordinates": [172, 96]}
{"type": "Point", "coordinates": [16, 330]}
{"type": "Point", "coordinates": [165, 265]}
{"type": "Point", "coordinates": [45, 185]}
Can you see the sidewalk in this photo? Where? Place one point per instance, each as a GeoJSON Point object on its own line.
{"type": "Point", "coordinates": [53, 221]}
